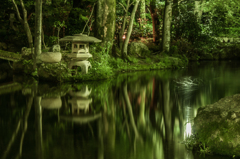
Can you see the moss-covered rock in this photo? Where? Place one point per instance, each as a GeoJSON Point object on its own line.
{"type": "Point", "coordinates": [53, 72]}
{"type": "Point", "coordinates": [138, 48]}
{"type": "Point", "coordinates": [218, 126]}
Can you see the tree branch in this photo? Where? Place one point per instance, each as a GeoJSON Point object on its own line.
{"type": "Point", "coordinates": [89, 18]}
{"type": "Point", "coordinates": [24, 11]}
{"type": "Point", "coordinates": [17, 11]}
{"type": "Point", "coordinates": [123, 6]}
{"type": "Point", "coordinates": [131, 3]}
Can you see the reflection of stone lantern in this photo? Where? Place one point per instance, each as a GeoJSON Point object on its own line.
{"type": "Point", "coordinates": [80, 50]}
{"type": "Point", "coordinates": [80, 104]}
{"type": "Point", "coordinates": [84, 92]}
{"type": "Point", "coordinates": [80, 100]}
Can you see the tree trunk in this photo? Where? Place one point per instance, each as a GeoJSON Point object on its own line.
{"type": "Point", "coordinates": [142, 11]}
{"type": "Point", "coordinates": [175, 14]}
{"type": "Point", "coordinates": [24, 22]}
{"type": "Point", "coordinates": [175, 10]}
{"type": "Point", "coordinates": [43, 42]}
{"type": "Point", "coordinates": [105, 20]}
{"type": "Point", "coordinates": [129, 32]}
{"type": "Point", "coordinates": [123, 26]}
{"type": "Point", "coordinates": [167, 26]}
{"type": "Point", "coordinates": [155, 21]}
{"type": "Point", "coordinates": [38, 31]}
{"type": "Point", "coordinates": [198, 10]}
{"type": "Point", "coordinates": [58, 29]}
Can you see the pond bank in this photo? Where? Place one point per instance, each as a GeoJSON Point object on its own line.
{"type": "Point", "coordinates": [106, 67]}
{"type": "Point", "coordinates": [102, 67]}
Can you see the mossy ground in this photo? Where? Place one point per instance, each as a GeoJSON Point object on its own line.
{"type": "Point", "coordinates": [100, 70]}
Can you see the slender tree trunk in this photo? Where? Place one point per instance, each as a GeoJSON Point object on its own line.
{"type": "Point", "coordinates": [24, 22]}
{"type": "Point", "coordinates": [167, 26]}
{"type": "Point", "coordinates": [142, 13]}
{"type": "Point", "coordinates": [43, 42]}
{"type": "Point", "coordinates": [129, 32]}
{"type": "Point", "coordinates": [175, 12]}
{"type": "Point", "coordinates": [38, 31]}
{"type": "Point", "coordinates": [124, 25]}
{"type": "Point", "coordinates": [155, 21]}
{"type": "Point", "coordinates": [198, 9]}
{"type": "Point", "coordinates": [105, 20]}
{"type": "Point", "coordinates": [12, 19]}
{"type": "Point", "coordinates": [143, 10]}
{"type": "Point", "coordinates": [58, 29]}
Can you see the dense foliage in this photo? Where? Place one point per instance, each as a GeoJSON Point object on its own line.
{"type": "Point", "coordinates": [189, 34]}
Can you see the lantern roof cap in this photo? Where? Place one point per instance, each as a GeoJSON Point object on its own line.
{"type": "Point", "coordinates": [80, 38]}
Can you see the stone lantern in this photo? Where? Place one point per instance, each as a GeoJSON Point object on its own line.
{"type": "Point", "coordinates": [80, 50]}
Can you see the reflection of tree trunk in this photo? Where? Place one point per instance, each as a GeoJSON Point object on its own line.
{"type": "Point", "coordinates": [100, 140]}
{"type": "Point", "coordinates": [129, 107]}
{"type": "Point", "coordinates": [12, 140]}
{"type": "Point", "coordinates": [155, 99]}
{"type": "Point", "coordinates": [141, 119]}
{"type": "Point", "coordinates": [38, 127]}
{"type": "Point", "coordinates": [25, 124]}
{"type": "Point", "coordinates": [22, 121]}
{"type": "Point", "coordinates": [109, 122]}
{"type": "Point", "coordinates": [64, 103]}
{"type": "Point", "coordinates": [126, 120]}
{"type": "Point", "coordinates": [167, 114]}
{"type": "Point", "coordinates": [167, 108]}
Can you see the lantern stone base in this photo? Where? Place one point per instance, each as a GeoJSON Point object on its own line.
{"type": "Point", "coordinates": [83, 64]}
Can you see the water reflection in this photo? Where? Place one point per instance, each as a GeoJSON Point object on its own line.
{"type": "Point", "coordinates": [137, 116]}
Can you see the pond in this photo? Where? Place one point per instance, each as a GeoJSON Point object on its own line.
{"type": "Point", "coordinates": [137, 115]}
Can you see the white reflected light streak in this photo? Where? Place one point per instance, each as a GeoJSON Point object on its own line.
{"type": "Point", "coordinates": [188, 130]}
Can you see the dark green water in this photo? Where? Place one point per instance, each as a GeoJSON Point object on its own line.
{"type": "Point", "coordinates": [93, 121]}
